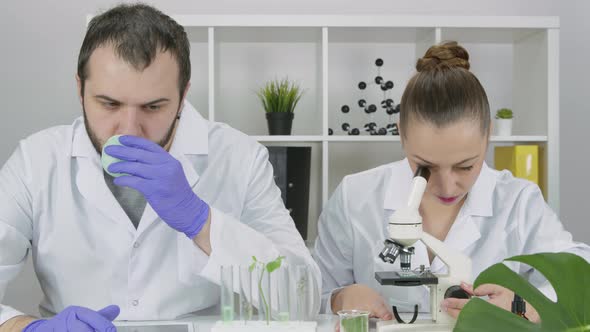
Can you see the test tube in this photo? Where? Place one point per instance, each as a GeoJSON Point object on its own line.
{"type": "Point", "coordinates": [283, 287]}
{"type": "Point", "coordinates": [246, 299]}
{"type": "Point", "coordinates": [301, 280]}
{"type": "Point", "coordinates": [227, 293]}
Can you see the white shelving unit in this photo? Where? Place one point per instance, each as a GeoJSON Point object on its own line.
{"type": "Point", "coordinates": [515, 58]}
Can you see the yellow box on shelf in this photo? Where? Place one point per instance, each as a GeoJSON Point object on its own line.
{"type": "Point", "coordinates": [521, 160]}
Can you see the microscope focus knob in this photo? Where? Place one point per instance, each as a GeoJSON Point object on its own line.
{"type": "Point", "coordinates": [456, 292]}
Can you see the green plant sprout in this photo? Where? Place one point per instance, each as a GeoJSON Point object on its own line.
{"type": "Point", "coordinates": [269, 268]}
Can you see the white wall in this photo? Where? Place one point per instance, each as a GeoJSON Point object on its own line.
{"type": "Point", "coordinates": [40, 40]}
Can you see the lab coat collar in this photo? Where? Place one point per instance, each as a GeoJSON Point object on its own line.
{"type": "Point", "coordinates": [191, 136]}
{"type": "Point", "coordinates": [479, 201]}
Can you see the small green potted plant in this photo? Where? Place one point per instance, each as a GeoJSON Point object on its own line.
{"type": "Point", "coordinates": [504, 122]}
{"type": "Point", "coordinates": [279, 99]}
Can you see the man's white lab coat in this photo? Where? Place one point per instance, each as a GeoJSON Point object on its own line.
{"type": "Point", "coordinates": [56, 206]}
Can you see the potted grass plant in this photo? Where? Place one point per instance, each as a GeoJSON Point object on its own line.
{"type": "Point", "coordinates": [279, 99]}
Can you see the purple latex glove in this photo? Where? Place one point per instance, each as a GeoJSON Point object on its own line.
{"type": "Point", "coordinates": [78, 319]}
{"type": "Point", "coordinates": [152, 171]}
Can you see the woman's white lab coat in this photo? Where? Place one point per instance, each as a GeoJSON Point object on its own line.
{"type": "Point", "coordinates": [56, 206]}
{"type": "Point", "coordinates": [502, 217]}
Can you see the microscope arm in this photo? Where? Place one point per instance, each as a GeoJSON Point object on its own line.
{"type": "Point", "coordinates": [458, 264]}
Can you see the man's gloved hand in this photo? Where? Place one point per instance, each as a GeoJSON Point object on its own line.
{"type": "Point", "coordinates": [160, 178]}
{"type": "Point", "coordinates": [78, 319]}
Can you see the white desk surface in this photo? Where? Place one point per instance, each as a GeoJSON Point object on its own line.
{"type": "Point", "coordinates": [326, 323]}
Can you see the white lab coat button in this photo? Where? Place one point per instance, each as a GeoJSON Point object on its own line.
{"type": "Point", "coordinates": [135, 303]}
{"type": "Point", "coordinates": [136, 245]}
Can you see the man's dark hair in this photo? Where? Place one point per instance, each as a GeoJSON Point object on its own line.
{"type": "Point", "coordinates": [137, 32]}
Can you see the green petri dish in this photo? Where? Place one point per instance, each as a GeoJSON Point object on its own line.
{"type": "Point", "coordinates": [106, 159]}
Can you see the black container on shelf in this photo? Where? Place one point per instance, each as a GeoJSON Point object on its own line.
{"type": "Point", "coordinates": [279, 123]}
{"type": "Point", "coordinates": [292, 167]}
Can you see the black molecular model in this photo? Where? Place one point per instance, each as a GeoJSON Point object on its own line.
{"type": "Point", "coordinates": [370, 109]}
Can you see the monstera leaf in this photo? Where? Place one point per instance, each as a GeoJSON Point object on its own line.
{"type": "Point", "coordinates": [568, 274]}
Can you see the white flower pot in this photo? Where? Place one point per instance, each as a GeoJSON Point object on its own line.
{"type": "Point", "coordinates": [503, 127]}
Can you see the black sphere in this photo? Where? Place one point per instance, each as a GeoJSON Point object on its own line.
{"type": "Point", "coordinates": [398, 108]}
{"type": "Point", "coordinates": [384, 87]}
{"type": "Point", "coordinates": [362, 85]}
{"type": "Point", "coordinates": [382, 131]}
{"type": "Point", "coordinates": [362, 103]}
{"type": "Point", "coordinates": [345, 109]}
{"type": "Point", "coordinates": [345, 126]}
{"type": "Point", "coordinates": [355, 131]}
{"type": "Point", "coordinates": [379, 62]}
{"type": "Point", "coordinates": [372, 108]}
{"type": "Point", "coordinates": [389, 102]}
{"type": "Point", "coordinates": [390, 111]}
{"type": "Point", "coordinates": [378, 79]}
{"type": "Point", "coordinates": [389, 84]}
{"type": "Point", "coordinates": [330, 131]}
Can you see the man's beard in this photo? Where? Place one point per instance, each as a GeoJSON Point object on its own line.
{"type": "Point", "coordinates": [98, 145]}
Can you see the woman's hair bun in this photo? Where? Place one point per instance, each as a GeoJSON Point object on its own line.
{"type": "Point", "coordinates": [445, 55]}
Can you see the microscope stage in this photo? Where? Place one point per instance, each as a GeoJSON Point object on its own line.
{"type": "Point", "coordinates": [406, 278]}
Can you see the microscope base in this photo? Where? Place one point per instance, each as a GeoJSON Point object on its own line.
{"type": "Point", "coordinates": [418, 326]}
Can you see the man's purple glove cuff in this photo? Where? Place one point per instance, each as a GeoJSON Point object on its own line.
{"type": "Point", "coordinates": [202, 214]}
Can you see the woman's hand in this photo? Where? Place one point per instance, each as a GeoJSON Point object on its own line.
{"type": "Point", "coordinates": [498, 295]}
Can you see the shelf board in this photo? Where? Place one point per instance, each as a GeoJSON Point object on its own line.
{"type": "Point", "coordinates": [522, 138]}
{"type": "Point", "coordinates": [417, 21]}
{"type": "Point", "coordinates": [288, 138]}
{"type": "Point", "coordinates": [362, 138]}
{"type": "Point", "coordinates": [389, 138]}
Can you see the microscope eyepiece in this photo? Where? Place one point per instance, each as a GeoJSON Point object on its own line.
{"type": "Point", "coordinates": [423, 172]}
